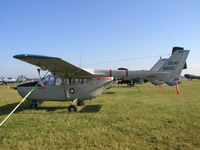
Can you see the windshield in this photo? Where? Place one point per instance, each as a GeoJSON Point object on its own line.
{"type": "Point", "coordinates": [51, 80]}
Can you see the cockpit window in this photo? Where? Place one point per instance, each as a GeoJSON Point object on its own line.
{"type": "Point", "coordinates": [58, 81]}
{"type": "Point", "coordinates": [51, 81]}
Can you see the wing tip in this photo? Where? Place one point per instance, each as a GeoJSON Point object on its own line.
{"type": "Point", "coordinates": [31, 56]}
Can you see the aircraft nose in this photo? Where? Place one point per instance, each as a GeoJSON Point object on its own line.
{"type": "Point", "coordinates": [28, 84]}
{"type": "Point", "coordinates": [14, 88]}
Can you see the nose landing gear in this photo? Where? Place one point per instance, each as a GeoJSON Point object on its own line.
{"type": "Point", "coordinates": [35, 104]}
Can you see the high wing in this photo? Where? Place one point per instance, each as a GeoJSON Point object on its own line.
{"type": "Point", "coordinates": [55, 65]}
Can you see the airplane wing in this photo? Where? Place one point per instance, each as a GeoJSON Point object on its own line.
{"type": "Point", "coordinates": [55, 65]}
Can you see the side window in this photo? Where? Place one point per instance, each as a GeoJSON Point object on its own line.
{"type": "Point", "coordinates": [81, 81]}
{"type": "Point", "coordinates": [51, 81]}
{"type": "Point", "coordinates": [76, 81]}
{"type": "Point", "coordinates": [84, 80]}
{"type": "Point", "coordinates": [72, 81]}
{"type": "Point", "coordinates": [66, 81]}
{"type": "Point", "coordinates": [58, 81]}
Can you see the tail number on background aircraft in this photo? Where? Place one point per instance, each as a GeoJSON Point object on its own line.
{"type": "Point", "coordinates": [170, 63]}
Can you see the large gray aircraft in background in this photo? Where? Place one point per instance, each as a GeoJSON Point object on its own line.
{"type": "Point", "coordinates": [71, 83]}
{"type": "Point", "coordinates": [191, 77]}
{"type": "Point", "coordinates": [21, 78]}
{"type": "Point", "coordinates": [132, 81]}
{"type": "Point", "coordinates": [8, 80]}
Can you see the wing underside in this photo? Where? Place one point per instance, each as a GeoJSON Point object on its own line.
{"type": "Point", "coordinates": [55, 65]}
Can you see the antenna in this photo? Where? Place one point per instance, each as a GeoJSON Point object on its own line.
{"type": "Point", "coordinates": [81, 58]}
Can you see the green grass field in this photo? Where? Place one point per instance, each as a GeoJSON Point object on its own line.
{"type": "Point", "coordinates": [121, 118]}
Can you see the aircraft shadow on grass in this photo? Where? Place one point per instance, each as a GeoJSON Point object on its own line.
{"type": "Point", "coordinates": [6, 109]}
{"type": "Point", "coordinates": [91, 109]}
{"type": "Point", "coordinates": [109, 93]}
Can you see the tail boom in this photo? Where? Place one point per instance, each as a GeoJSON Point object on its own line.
{"type": "Point", "coordinates": [166, 70]}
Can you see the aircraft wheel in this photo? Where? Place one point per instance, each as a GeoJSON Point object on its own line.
{"type": "Point", "coordinates": [34, 105]}
{"type": "Point", "coordinates": [31, 105]}
{"type": "Point", "coordinates": [80, 103]}
{"type": "Point", "coordinates": [132, 84]}
{"type": "Point", "coordinates": [72, 108]}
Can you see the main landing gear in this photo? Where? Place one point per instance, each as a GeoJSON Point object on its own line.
{"type": "Point", "coordinates": [80, 103]}
{"type": "Point", "coordinates": [73, 107]}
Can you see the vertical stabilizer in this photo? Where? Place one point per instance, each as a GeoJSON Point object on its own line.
{"type": "Point", "coordinates": [158, 65]}
{"type": "Point", "coordinates": [174, 65]}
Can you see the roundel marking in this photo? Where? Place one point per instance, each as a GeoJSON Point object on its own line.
{"type": "Point", "coordinates": [72, 91]}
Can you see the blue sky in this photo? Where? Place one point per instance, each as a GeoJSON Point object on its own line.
{"type": "Point", "coordinates": [98, 31]}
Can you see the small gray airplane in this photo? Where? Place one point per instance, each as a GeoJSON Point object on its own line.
{"type": "Point", "coordinates": [21, 78]}
{"type": "Point", "coordinates": [5, 81]}
{"type": "Point", "coordinates": [71, 83]}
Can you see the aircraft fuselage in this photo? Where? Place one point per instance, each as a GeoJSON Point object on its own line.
{"type": "Point", "coordinates": [71, 89]}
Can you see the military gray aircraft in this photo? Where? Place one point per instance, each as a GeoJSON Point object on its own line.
{"type": "Point", "coordinates": [71, 83]}
{"type": "Point", "coordinates": [132, 81]}
{"type": "Point", "coordinates": [191, 77]}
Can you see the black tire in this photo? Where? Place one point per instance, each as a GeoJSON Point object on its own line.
{"type": "Point", "coordinates": [34, 104]}
{"type": "Point", "coordinates": [31, 105]}
{"type": "Point", "coordinates": [72, 108]}
{"type": "Point", "coordinates": [80, 103]}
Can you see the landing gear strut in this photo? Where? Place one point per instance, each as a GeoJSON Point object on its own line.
{"type": "Point", "coordinates": [73, 108]}
{"type": "Point", "coordinates": [80, 103]}
{"type": "Point", "coordinates": [34, 104]}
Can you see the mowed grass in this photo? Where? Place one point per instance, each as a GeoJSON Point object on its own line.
{"type": "Point", "coordinates": [121, 118]}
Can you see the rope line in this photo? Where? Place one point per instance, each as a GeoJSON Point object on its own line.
{"type": "Point", "coordinates": [23, 100]}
